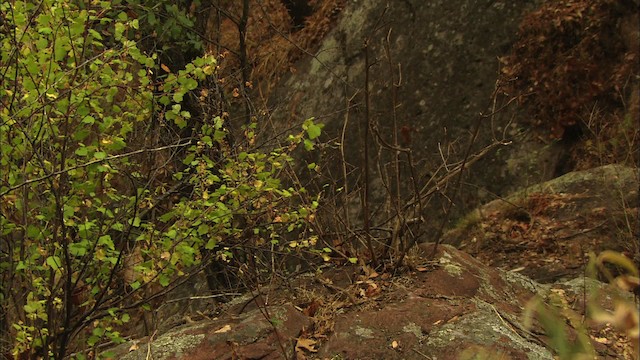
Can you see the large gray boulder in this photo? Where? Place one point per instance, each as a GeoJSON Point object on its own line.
{"type": "Point", "coordinates": [444, 55]}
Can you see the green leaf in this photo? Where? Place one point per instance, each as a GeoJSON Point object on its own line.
{"type": "Point", "coordinates": [179, 120]}
{"type": "Point", "coordinates": [210, 245]}
{"type": "Point", "coordinates": [105, 240]}
{"type": "Point", "coordinates": [78, 249]}
{"type": "Point", "coordinates": [151, 18]}
{"type": "Point", "coordinates": [54, 262]}
{"type": "Point", "coordinates": [125, 318]}
{"type": "Point", "coordinates": [117, 144]}
{"type": "Point", "coordinates": [89, 120]}
{"type": "Point", "coordinates": [164, 280]}
{"type": "Point", "coordinates": [219, 135]}
{"type": "Point", "coordinates": [33, 232]}
{"type": "Point", "coordinates": [93, 340]}
{"type": "Point", "coordinates": [81, 134]}
{"type": "Point", "coordinates": [313, 131]}
{"type": "Point", "coordinates": [42, 44]}
{"type": "Point", "coordinates": [95, 34]}
{"type": "Point", "coordinates": [119, 31]}
{"type": "Point", "coordinates": [164, 100]}
{"type": "Point", "coordinates": [118, 227]}
{"type": "Point", "coordinates": [189, 159]}
{"type": "Point", "coordinates": [98, 331]}
{"type": "Point", "coordinates": [191, 84]}
{"type": "Point", "coordinates": [203, 229]}
{"type": "Point", "coordinates": [82, 151]}
{"type": "Point", "coordinates": [308, 144]}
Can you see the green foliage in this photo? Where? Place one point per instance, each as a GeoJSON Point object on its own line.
{"type": "Point", "coordinates": [85, 232]}
{"type": "Point", "coordinates": [169, 23]}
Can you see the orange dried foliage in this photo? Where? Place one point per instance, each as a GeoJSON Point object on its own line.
{"type": "Point", "coordinates": [572, 56]}
{"type": "Point", "coordinates": [272, 45]}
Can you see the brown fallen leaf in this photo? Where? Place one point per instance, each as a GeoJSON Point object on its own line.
{"type": "Point", "coordinates": [372, 289]}
{"type": "Point", "coordinates": [312, 308]}
{"type": "Point", "coordinates": [306, 344]}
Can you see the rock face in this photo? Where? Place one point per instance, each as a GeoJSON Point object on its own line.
{"type": "Point", "coordinates": [454, 308]}
{"type": "Point", "coordinates": [443, 59]}
{"type": "Point", "coordinates": [250, 336]}
{"type": "Point", "coordinates": [553, 226]}
{"type": "Point", "coordinates": [459, 307]}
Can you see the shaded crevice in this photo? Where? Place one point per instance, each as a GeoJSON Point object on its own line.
{"type": "Point", "coordinates": [299, 11]}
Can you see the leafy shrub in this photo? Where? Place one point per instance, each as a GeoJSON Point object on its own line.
{"type": "Point", "coordinates": [90, 230]}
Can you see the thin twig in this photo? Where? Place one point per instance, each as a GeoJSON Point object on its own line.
{"type": "Point", "coordinates": [365, 157]}
{"type": "Point", "coordinates": [92, 162]}
{"type": "Point", "coordinates": [148, 357]}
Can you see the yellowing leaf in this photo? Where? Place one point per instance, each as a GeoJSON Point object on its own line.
{"type": "Point", "coordinates": [223, 329]}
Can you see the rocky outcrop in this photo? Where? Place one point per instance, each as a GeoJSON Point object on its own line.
{"type": "Point", "coordinates": [254, 335]}
{"type": "Point", "coordinates": [450, 308]}
{"type": "Point", "coordinates": [459, 306]}
{"type": "Point", "coordinates": [443, 57]}
{"type": "Point", "coordinates": [547, 230]}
